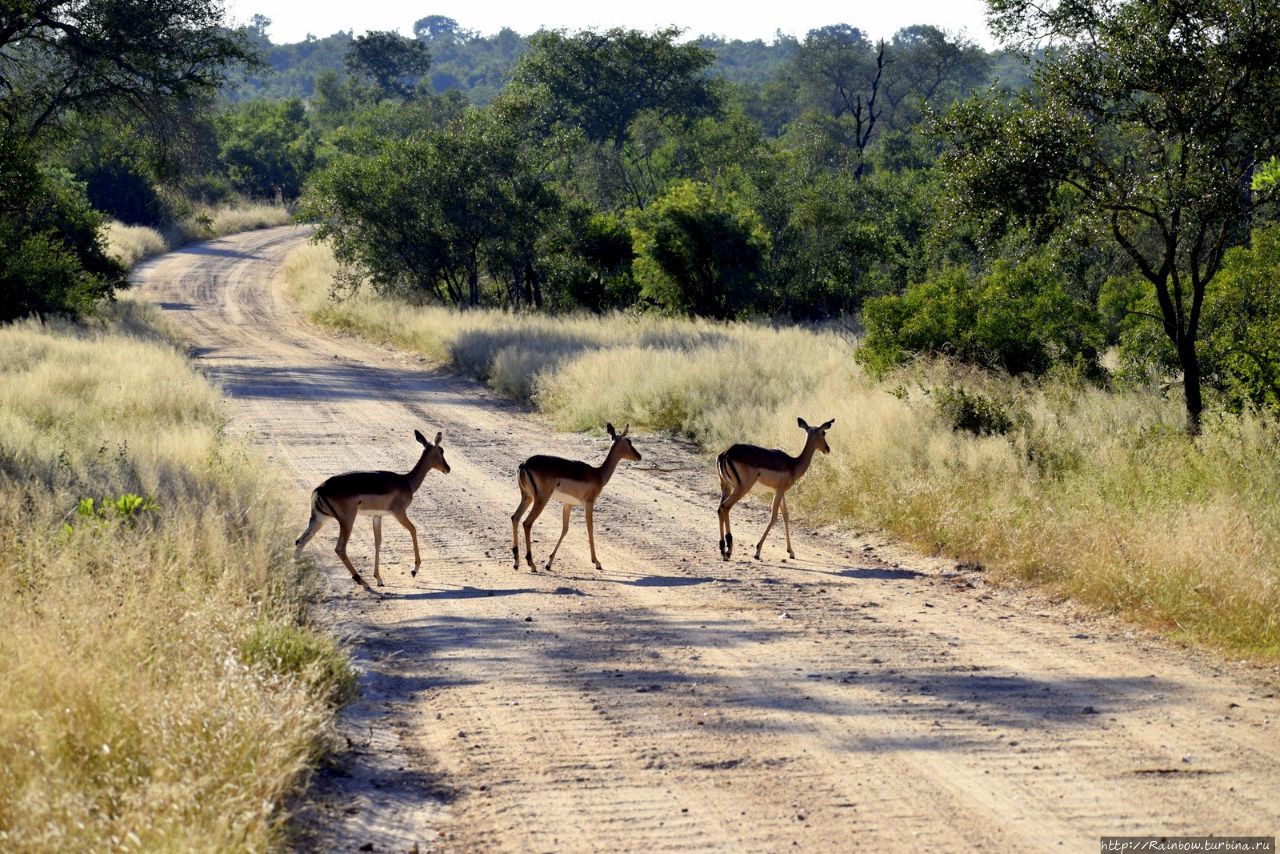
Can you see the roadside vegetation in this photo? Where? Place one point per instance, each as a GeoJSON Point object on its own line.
{"type": "Point", "coordinates": [160, 686]}
{"type": "Point", "coordinates": [130, 244]}
{"type": "Point", "coordinates": [1096, 493]}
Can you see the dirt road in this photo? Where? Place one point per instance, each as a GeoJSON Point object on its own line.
{"type": "Point", "coordinates": [855, 695]}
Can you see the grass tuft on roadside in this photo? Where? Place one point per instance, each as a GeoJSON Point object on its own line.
{"type": "Point", "coordinates": [131, 244]}
{"type": "Point", "coordinates": [160, 687]}
{"type": "Point", "coordinates": [1096, 494]}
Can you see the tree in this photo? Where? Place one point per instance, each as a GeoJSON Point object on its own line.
{"type": "Point", "coordinates": [1153, 115]}
{"type": "Point", "coordinates": [267, 147]}
{"type": "Point", "coordinates": [931, 68]}
{"type": "Point", "coordinates": [438, 28]}
{"type": "Point", "coordinates": [843, 72]}
{"type": "Point", "coordinates": [53, 260]}
{"type": "Point", "coordinates": [700, 251]}
{"type": "Point", "coordinates": [64, 64]}
{"type": "Point", "coordinates": [391, 61]}
{"type": "Point", "coordinates": [1242, 316]}
{"type": "Point", "coordinates": [1018, 318]}
{"type": "Point", "coordinates": [66, 56]}
{"type": "Point", "coordinates": [426, 213]}
{"type": "Point", "coordinates": [600, 82]}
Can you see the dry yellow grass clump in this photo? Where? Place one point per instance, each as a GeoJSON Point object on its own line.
{"type": "Point", "coordinates": [130, 244]}
{"type": "Point", "coordinates": [158, 688]}
{"type": "Point", "coordinates": [133, 243]}
{"type": "Point", "coordinates": [1097, 494]}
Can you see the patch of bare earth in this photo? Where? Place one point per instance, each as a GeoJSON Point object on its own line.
{"type": "Point", "coordinates": [674, 701]}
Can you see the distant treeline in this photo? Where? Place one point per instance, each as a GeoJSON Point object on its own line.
{"type": "Point", "coordinates": [478, 65]}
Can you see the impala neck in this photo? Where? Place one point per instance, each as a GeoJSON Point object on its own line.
{"type": "Point", "coordinates": [610, 463]}
{"type": "Point", "coordinates": [419, 472]}
{"type": "Point", "coordinates": [806, 455]}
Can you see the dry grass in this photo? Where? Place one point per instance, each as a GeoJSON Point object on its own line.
{"type": "Point", "coordinates": [1096, 494]}
{"type": "Point", "coordinates": [158, 688]}
{"type": "Point", "coordinates": [133, 243]}
{"type": "Point", "coordinates": [130, 244]}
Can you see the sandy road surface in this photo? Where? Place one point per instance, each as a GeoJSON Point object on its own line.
{"type": "Point", "coordinates": [674, 701]}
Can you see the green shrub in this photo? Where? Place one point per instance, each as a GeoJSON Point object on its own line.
{"type": "Point", "coordinates": [699, 251]}
{"type": "Point", "coordinates": [972, 411]}
{"type": "Point", "coordinates": [1019, 318]}
{"type": "Point", "coordinates": [54, 260]}
{"type": "Point", "coordinates": [288, 649]}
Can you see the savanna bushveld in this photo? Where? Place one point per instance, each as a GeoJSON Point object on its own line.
{"type": "Point", "coordinates": [1036, 288]}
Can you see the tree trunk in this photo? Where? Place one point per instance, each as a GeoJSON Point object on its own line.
{"type": "Point", "coordinates": [535, 285]}
{"type": "Point", "coordinates": [473, 279]}
{"type": "Point", "coordinates": [1190, 363]}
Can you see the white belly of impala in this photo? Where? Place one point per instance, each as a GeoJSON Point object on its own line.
{"type": "Point", "coordinates": [565, 497]}
{"type": "Point", "coordinates": [367, 511]}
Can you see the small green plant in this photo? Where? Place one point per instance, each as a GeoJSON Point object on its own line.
{"type": "Point", "coordinates": [125, 509]}
{"type": "Point", "coordinates": [294, 650]}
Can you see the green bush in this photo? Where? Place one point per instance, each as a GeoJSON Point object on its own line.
{"type": "Point", "coordinates": [1241, 342]}
{"type": "Point", "coordinates": [973, 412]}
{"type": "Point", "coordinates": [1018, 318]}
{"type": "Point", "coordinates": [54, 260]}
{"type": "Point", "coordinates": [700, 251]}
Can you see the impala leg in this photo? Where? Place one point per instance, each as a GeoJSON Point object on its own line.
{"type": "Point", "coordinates": [777, 500]}
{"type": "Point", "coordinates": [786, 526]}
{"type": "Point", "coordinates": [725, 489]}
{"type": "Point", "coordinates": [525, 500]}
{"type": "Point", "coordinates": [314, 524]}
{"type": "Point", "coordinates": [564, 529]}
{"type": "Point", "coordinates": [344, 534]}
{"type": "Point", "coordinates": [725, 506]}
{"type": "Point", "coordinates": [589, 509]}
{"type": "Point", "coordinates": [403, 518]}
{"type": "Point", "coordinates": [377, 548]}
{"type": "Point", "coordinates": [539, 504]}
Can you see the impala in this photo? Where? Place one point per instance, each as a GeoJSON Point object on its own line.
{"type": "Point", "coordinates": [376, 494]}
{"type": "Point", "coordinates": [743, 467]}
{"type": "Point", "coordinates": [543, 478]}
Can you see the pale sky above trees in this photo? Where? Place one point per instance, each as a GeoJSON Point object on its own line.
{"type": "Point", "coordinates": [293, 19]}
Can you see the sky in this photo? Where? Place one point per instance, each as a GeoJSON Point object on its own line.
{"type": "Point", "coordinates": [292, 20]}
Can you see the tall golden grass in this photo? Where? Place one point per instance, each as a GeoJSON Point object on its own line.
{"type": "Point", "coordinates": [1096, 494]}
{"type": "Point", "coordinates": [159, 685]}
{"type": "Point", "coordinates": [130, 244]}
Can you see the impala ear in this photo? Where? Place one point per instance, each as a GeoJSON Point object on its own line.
{"type": "Point", "coordinates": [608, 428]}
{"type": "Point", "coordinates": [439, 436]}
{"type": "Point", "coordinates": [626, 430]}
{"type": "Point", "coordinates": [804, 425]}
{"type": "Point", "coordinates": [827, 426]}
{"type": "Point", "coordinates": [422, 440]}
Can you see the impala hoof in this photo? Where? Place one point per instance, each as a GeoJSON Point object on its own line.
{"type": "Point", "coordinates": [380, 584]}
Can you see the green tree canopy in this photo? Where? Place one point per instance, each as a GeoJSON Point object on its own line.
{"type": "Point", "coordinates": [64, 56]}
{"type": "Point", "coordinates": [600, 81]}
{"type": "Point", "coordinates": [392, 62]}
{"type": "Point", "coordinates": [1152, 115]}
{"type": "Point", "coordinates": [699, 250]}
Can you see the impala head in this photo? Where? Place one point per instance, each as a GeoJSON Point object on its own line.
{"type": "Point", "coordinates": [627, 449]}
{"type": "Point", "coordinates": [818, 434]}
{"type": "Point", "coordinates": [435, 453]}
